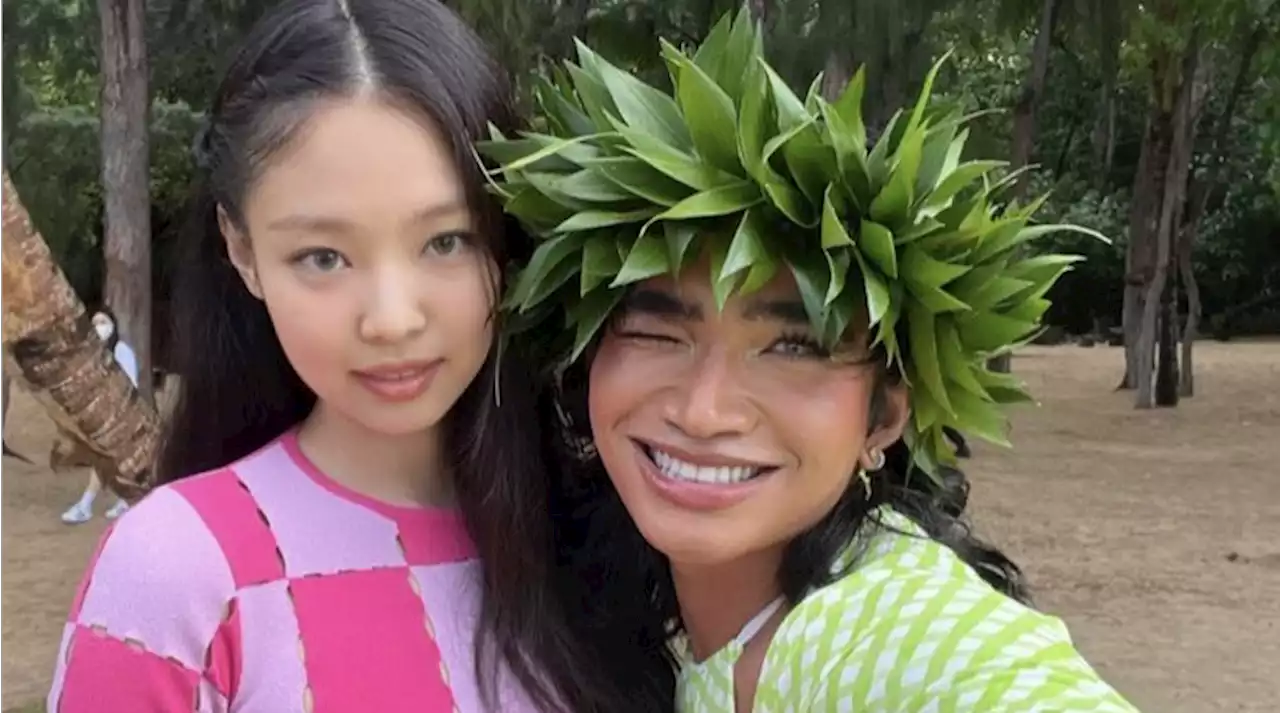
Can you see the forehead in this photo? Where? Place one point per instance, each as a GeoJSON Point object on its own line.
{"type": "Point", "coordinates": [355, 157]}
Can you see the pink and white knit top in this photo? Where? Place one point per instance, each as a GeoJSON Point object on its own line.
{"type": "Point", "coordinates": [266, 587]}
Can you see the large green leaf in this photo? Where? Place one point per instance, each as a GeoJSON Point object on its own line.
{"type": "Point", "coordinates": [990, 248]}
{"type": "Point", "coordinates": [921, 326]}
{"type": "Point", "coordinates": [725, 200]}
{"type": "Point", "coordinates": [838, 262]}
{"type": "Point", "coordinates": [985, 332]}
{"type": "Point", "coordinates": [833, 232]}
{"type": "Point", "coordinates": [536, 210]}
{"type": "Point", "coordinates": [591, 219]}
{"type": "Point", "coordinates": [957, 366]}
{"type": "Point", "coordinates": [711, 118]}
{"type": "Point", "coordinates": [878, 292]}
{"type": "Point", "coordinates": [590, 314]}
{"type": "Point", "coordinates": [648, 257]}
{"type": "Point", "coordinates": [566, 118]}
{"type": "Point", "coordinates": [679, 236]}
{"type": "Point", "coordinates": [600, 261]}
{"type": "Point", "coordinates": [918, 268]}
{"type": "Point", "coordinates": [755, 121]}
{"type": "Point", "coordinates": [547, 255]}
{"type": "Point", "coordinates": [851, 155]}
{"type": "Point", "coordinates": [641, 106]}
{"type": "Point", "coordinates": [791, 111]}
{"type": "Point", "coordinates": [848, 107]}
{"type": "Point", "coordinates": [812, 280]}
{"type": "Point", "coordinates": [642, 180]}
{"type": "Point", "coordinates": [747, 247]}
{"type": "Point", "coordinates": [876, 242]}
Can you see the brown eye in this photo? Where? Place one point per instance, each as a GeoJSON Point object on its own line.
{"type": "Point", "coordinates": [448, 244]}
{"type": "Point", "coordinates": [321, 260]}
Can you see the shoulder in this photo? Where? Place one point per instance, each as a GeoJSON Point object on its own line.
{"type": "Point", "coordinates": [153, 605]}
{"type": "Point", "coordinates": [161, 550]}
{"type": "Point", "coordinates": [912, 627]}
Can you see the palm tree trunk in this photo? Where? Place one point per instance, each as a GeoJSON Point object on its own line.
{"type": "Point", "coordinates": [60, 359]}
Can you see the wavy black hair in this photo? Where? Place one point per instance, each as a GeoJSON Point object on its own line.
{"type": "Point", "coordinates": [622, 585]}
{"type": "Point", "coordinates": [239, 392]}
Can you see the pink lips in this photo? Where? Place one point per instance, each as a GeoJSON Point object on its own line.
{"type": "Point", "coordinates": [404, 381]}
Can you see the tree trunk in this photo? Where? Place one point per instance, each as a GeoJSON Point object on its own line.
{"type": "Point", "coordinates": [1190, 331]}
{"type": "Point", "coordinates": [1170, 203]}
{"type": "Point", "coordinates": [1024, 123]}
{"type": "Point", "coordinates": [1167, 361]}
{"type": "Point", "coordinates": [1140, 257]}
{"type": "Point", "coordinates": [1200, 193]}
{"type": "Point", "coordinates": [1024, 112]}
{"type": "Point", "coordinates": [126, 176]}
{"type": "Point", "coordinates": [61, 360]}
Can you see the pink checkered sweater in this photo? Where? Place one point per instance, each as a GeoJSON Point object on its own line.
{"type": "Point", "coordinates": [266, 587]}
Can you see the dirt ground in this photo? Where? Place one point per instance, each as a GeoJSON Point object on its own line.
{"type": "Point", "coordinates": [1156, 535]}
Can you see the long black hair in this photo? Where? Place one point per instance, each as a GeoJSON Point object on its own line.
{"type": "Point", "coordinates": [622, 585]}
{"type": "Point", "coordinates": [239, 392]}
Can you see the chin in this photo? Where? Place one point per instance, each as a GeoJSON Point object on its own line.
{"type": "Point", "coordinates": [691, 538]}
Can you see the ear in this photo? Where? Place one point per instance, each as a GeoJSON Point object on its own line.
{"type": "Point", "coordinates": [240, 252]}
{"type": "Point", "coordinates": [897, 409]}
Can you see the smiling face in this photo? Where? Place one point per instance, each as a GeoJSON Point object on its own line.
{"type": "Point", "coordinates": [359, 239]}
{"type": "Point", "coordinates": [729, 433]}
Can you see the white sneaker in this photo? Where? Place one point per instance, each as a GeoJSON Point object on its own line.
{"type": "Point", "coordinates": [117, 510]}
{"type": "Point", "coordinates": [79, 513]}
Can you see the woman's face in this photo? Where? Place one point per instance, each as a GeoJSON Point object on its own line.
{"type": "Point", "coordinates": [360, 241]}
{"type": "Point", "coordinates": [729, 433]}
{"type": "Point", "coordinates": [103, 326]}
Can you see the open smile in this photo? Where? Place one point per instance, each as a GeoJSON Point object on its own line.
{"type": "Point", "coordinates": [702, 482]}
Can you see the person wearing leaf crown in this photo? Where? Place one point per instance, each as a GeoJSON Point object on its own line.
{"type": "Point", "coordinates": [770, 327]}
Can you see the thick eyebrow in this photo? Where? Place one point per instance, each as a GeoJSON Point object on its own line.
{"type": "Point", "coordinates": [333, 225]}
{"type": "Point", "coordinates": [659, 303]}
{"type": "Point", "coordinates": [787, 311]}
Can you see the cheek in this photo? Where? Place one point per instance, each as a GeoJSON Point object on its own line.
{"type": "Point", "coordinates": [824, 423]}
{"type": "Point", "coordinates": [312, 326]}
{"type": "Point", "coordinates": [462, 303]}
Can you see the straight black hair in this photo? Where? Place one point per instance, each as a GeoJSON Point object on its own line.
{"type": "Point", "coordinates": [239, 392]}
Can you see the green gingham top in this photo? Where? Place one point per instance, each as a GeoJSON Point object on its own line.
{"type": "Point", "coordinates": [910, 629]}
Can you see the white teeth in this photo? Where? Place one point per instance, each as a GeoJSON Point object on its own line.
{"type": "Point", "coordinates": [677, 469]}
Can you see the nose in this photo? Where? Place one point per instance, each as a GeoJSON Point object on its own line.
{"type": "Point", "coordinates": [708, 403]}
{"type": "Point", "coordinates": [394, 309]}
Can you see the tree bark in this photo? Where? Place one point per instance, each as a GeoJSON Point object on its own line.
{"type": "Point", "coordinates": [1144, 211]}
{"type": "Point", "coordinates": [62, 362]}
{"type": "Point", "coordinates": [1024, 123]}
{"type": "Point", "coordinates": [1170, 203]}
{"type": "Point", "coordinates": [126, 177]}
{"type": "Point", "coordinates": [1200, 193]}
{"type": "Point", "coordinates": [1190, 330]}
{"type": "Point", "coordinates": [1024, 112]}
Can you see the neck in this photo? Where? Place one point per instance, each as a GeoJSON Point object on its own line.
{"type": "Point", "coordinates": [717, 601]}
{"type": "Point", "coordinates": [400, 469]}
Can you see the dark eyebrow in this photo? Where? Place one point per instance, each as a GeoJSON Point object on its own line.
{"type": "Point", "coordinates": [657, 303]}
{"type": "Point", "coordinates": [302, 222]}
{"type": "Point", "coordinates": [788, 311]}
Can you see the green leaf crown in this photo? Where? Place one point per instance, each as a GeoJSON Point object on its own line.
{"type": "Point", "coordinates": [626, 182]}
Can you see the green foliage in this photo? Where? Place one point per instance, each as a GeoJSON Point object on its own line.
{"type": "Point", "coordinates": [908, 238]}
